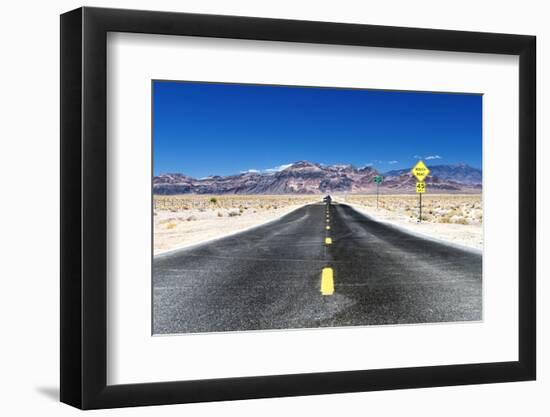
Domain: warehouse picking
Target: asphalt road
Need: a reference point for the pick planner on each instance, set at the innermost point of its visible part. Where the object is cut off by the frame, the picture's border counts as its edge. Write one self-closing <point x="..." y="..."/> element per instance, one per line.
<point x="271" y="277"/>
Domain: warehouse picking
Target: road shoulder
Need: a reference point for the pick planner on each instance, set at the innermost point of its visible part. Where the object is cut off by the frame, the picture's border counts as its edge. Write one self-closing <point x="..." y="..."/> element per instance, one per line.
<point x="465" y="237"/>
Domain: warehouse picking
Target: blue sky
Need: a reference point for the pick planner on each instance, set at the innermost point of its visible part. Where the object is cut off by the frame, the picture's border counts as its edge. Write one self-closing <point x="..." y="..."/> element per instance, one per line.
<point x="202" y="129"/>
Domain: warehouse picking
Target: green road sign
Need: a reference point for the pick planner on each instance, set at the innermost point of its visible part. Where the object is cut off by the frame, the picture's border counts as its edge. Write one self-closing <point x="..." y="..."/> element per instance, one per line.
<point x="378" y="179"/>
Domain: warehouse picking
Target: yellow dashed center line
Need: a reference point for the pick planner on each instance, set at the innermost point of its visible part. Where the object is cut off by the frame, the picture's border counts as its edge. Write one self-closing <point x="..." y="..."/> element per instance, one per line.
<point x="327" y="281"/>
<point x="327" y="274"/>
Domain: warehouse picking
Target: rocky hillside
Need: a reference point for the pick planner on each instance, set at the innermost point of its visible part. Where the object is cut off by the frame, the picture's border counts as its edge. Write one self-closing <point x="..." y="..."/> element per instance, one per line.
<point x="304" y="177"/>
<point x="461" y="173"/>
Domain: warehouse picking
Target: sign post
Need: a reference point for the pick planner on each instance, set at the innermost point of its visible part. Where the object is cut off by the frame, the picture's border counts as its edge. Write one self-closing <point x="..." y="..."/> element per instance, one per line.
<point x="420" y="189"/>
<point x="420" y="171"/>
<point x="377" y="180"/>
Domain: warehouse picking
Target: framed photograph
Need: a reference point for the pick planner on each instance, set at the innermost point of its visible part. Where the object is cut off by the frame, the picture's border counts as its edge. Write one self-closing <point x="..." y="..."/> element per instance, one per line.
<point x="257" y="208"/>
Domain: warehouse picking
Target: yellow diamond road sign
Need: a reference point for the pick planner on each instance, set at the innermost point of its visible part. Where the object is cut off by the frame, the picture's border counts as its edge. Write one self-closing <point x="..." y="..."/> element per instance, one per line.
<point x="420" y="171"/>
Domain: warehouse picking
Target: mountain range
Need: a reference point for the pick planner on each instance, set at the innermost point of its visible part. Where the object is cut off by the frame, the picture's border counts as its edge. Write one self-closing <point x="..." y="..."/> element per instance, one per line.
<point x="305" y="177"/>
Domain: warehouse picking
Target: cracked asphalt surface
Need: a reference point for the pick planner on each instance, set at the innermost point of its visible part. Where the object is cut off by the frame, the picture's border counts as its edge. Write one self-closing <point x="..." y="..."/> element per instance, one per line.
<point x="269" y="277"/>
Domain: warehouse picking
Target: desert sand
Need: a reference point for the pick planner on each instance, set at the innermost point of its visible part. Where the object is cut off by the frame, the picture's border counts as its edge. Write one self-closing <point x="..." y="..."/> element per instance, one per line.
<point x="182" y="221"/>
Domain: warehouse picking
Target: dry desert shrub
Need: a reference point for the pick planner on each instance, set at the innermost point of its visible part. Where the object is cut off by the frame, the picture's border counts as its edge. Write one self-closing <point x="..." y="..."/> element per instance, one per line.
<point x="206" y="203"/>
<point x="437" y="208"/>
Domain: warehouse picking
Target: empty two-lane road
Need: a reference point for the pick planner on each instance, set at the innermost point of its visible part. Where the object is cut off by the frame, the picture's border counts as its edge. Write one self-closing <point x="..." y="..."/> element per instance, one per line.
<point x="271" y="277"/>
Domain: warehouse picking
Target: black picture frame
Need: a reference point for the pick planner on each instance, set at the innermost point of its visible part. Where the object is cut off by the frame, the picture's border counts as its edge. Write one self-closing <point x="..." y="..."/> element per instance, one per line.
<point x="84" y="207"/>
